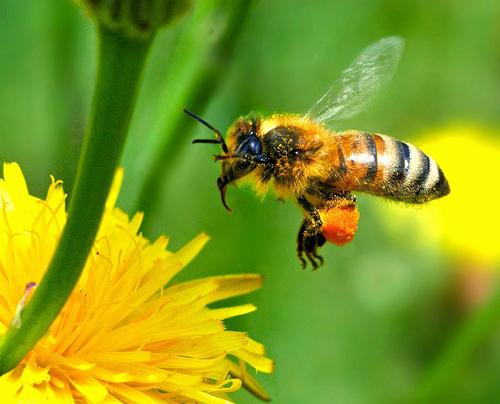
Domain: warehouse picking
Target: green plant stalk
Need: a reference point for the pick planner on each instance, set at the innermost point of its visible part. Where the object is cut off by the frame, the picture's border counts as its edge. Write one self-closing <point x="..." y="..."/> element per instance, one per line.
<point x="119" y="69"/>
<point x="459" y="350"/>
<point x="202" y="84"/>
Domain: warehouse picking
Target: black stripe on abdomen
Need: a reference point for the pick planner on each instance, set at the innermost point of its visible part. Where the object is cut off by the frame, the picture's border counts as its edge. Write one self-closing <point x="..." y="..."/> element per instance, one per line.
<point x="342" y="170"/>
<point x="401" y="163"/>
<point x="406" y="158"/>
<point x="339" y="172"/>
<point x="421" y="178"/>
<point x="441" y="187"/>
<point x="371" y="162"/>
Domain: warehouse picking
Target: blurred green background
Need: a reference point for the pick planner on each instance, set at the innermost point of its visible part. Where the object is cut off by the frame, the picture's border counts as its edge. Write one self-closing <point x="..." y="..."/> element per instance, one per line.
<point x="366" y="327"/>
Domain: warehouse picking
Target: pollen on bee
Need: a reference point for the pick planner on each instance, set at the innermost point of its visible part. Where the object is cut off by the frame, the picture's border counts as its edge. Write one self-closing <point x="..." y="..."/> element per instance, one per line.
<point x="339" y="223"/>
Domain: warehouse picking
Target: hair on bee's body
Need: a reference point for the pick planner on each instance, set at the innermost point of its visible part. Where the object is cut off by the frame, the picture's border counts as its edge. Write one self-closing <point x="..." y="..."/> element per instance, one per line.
<point x="302" y="158"/>
<point x="293" y="145"/>
<point x="307" y="158"/>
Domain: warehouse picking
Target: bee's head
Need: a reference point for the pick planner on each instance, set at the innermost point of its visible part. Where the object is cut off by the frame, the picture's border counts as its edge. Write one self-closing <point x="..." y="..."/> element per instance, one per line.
<point x="241" y="154"/>
<point x="244" y="150"/>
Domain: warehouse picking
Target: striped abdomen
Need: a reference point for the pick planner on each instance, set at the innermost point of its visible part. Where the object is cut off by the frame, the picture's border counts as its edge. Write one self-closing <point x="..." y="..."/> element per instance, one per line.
<point x="382" y="165"/>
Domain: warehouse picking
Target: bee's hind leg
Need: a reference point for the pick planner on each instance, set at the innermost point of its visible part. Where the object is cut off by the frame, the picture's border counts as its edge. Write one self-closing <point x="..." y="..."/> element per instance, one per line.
<point x="310" y="236"/>
<point x="308" y="244"/>
<point x="300" y="245"/>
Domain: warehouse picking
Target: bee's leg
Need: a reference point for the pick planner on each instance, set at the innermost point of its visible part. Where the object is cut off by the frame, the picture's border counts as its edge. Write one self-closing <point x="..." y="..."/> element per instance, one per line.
<point x="313" y="221"/>
<point x="318" y="242"/>
<point x="311" y="244"/>
<point x="308" y="244"/>
<point x="310" y="236"/>
<point x="300" y="245"/>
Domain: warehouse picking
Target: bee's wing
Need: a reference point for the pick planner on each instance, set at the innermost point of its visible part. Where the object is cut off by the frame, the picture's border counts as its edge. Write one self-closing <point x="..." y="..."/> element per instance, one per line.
<point x="359" y="82"/>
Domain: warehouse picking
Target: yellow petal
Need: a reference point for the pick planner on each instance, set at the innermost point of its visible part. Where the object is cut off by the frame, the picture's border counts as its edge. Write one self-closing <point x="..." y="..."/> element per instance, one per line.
<point x="229" y="285"/>
<point x="115" y="189"/>
<point x="10" y="383"/>
<point x="184" y="362"/>
<point x="199" y="396"/>
<point x="30" y="394"/>
<point x="228" y="312"/>
<point x="89" y="387"/>
<point x="257" y="361"/>
<point x="131" y="395"/>
<point x="121" y="357"/>
<point x="14" y="181"/>
<point x="255" y="347"/>
<point x="33" y="374"/>
<point x="248" y="381"/>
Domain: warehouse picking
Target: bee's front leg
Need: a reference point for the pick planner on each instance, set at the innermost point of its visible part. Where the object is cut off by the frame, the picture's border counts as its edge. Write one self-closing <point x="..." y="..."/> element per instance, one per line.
<point x="310" y="236"/>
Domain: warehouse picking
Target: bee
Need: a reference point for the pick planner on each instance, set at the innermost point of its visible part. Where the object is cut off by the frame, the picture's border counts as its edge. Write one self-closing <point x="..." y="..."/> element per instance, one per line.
<point x="303" y="158"/>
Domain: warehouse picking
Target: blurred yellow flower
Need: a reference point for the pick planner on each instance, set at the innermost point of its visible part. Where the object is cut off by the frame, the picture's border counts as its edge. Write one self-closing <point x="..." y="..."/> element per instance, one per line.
<point x="122" y="336"/>
<point x="467" y="220"/>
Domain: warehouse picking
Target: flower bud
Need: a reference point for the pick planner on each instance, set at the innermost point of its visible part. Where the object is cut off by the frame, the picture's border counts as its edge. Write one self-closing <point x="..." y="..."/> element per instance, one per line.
<point x="135" y="18"/>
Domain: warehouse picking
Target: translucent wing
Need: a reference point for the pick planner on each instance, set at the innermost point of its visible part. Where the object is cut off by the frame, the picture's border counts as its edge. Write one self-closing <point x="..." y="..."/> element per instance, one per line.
<point x="359" y="82"/>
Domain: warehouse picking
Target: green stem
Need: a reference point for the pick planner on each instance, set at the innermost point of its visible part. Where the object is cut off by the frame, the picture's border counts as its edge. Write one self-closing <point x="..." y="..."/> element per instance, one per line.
<point x="202" y="83"/>
<point x="475" y="330"/>
<point x="118" y="76"/>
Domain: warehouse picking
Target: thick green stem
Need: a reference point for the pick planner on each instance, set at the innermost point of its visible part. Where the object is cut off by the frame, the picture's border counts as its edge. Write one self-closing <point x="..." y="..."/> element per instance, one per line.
<point x="118" y="75"/>
<point x="456" y="354"/>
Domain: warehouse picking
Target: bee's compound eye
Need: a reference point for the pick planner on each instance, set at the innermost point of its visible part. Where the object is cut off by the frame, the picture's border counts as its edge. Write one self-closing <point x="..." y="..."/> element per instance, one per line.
<point x="254" y="146"/>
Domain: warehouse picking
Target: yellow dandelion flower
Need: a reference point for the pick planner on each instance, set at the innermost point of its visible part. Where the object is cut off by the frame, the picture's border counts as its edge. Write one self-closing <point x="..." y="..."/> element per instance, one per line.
<point x="122" y="335"/>
<point x="466" y="222"/>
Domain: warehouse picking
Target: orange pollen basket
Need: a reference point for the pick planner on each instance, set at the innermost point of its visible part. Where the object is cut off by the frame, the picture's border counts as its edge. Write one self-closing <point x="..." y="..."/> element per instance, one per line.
<point x="339" y="224"/>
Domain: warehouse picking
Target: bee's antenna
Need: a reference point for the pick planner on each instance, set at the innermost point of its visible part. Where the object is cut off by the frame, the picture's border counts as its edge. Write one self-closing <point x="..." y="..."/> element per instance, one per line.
<point x="219" y="157"/>
<point x="219" y="140"/>
<point x="213" y="141"/>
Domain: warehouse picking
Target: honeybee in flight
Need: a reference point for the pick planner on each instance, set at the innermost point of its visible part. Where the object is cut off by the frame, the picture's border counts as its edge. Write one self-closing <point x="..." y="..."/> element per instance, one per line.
<point x="306" y="160"/>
